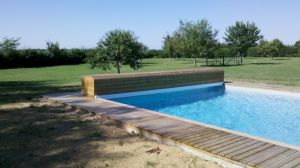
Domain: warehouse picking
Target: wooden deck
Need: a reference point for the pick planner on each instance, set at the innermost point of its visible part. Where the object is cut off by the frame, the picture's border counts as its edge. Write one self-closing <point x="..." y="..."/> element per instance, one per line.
<point x="234" y="148"/>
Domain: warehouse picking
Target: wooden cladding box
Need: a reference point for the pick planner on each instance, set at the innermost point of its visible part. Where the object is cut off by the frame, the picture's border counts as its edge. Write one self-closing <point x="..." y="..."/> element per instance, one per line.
<point x="130" y="82"/>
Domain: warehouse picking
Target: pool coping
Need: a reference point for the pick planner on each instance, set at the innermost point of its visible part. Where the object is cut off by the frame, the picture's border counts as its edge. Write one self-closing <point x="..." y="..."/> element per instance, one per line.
<point x="63" y="98"/>
<point x="264" y="86"/>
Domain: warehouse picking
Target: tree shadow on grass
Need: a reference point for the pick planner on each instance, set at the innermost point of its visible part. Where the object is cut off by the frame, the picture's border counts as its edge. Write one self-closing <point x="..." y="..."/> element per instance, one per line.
<point x="13" y="91"/>
<point x="281" y="58"/>
<point x="265" y="63"/>
<point x="148" y="63"/>
<point x="226" y="65"/>
<point x="53" y="136"/>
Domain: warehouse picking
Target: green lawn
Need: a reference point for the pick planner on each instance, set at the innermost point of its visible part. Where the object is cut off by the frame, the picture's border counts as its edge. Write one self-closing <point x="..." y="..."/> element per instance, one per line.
<point x="22" y="83"/>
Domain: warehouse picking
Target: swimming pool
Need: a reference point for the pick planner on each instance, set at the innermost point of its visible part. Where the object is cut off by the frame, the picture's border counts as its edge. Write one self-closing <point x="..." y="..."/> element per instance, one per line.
<point x="269" y="114"/>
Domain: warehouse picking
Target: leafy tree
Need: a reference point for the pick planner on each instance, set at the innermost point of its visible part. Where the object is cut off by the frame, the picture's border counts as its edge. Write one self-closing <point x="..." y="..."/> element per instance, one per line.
<point x="254" y="52"/>
<point x="297" y="47"/>
<point x="272" y="48"/>
<point x="192" y="39"/>
<point x="242" y="36"/>
<point x="9" y="45"/>
<point x="158" y="53"/>
<point x="173" y="46"/>
<point x="8" y="52"/>
<point x="53" y="48"/>
<point x="115" y="49"/>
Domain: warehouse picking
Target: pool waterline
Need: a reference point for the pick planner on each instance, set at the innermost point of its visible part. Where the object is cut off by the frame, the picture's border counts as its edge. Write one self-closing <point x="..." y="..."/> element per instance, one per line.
<point x="216" y="105"/>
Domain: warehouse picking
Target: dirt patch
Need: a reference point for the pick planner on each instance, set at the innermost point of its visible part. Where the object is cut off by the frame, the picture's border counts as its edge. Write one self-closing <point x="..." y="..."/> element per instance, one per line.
<point x="40" y="133"/>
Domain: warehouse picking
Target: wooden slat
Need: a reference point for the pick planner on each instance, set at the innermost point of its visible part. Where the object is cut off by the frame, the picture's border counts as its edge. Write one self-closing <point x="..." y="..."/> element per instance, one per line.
<point x="232" y="147"/>
<point x="238" y="148"/>
<point x="207" y="138"/>
<point x="142" y="119"/>
<point x="178" y="128"/>
<point x="187" y="131"/>
<point x="276" y="158"/>
<point x="198" y="134"/>
<point x="292" y="163"/>
<point x="286" y="160"/>
<point x="220" y="140"/>
<point x="225" y="144"/>
<point x="253" y="152"/>
<point x="265" y="155"/>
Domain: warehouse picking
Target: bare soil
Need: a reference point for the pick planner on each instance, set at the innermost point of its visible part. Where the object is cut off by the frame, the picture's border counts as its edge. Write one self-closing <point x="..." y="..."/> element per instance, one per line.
<point x="41" y="133"/>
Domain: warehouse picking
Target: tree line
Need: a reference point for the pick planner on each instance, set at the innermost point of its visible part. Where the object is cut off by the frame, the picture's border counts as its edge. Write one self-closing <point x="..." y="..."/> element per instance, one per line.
<point x="198" y="40"/>
<point x="119" y="47"/>
<point x="12" y="57"/>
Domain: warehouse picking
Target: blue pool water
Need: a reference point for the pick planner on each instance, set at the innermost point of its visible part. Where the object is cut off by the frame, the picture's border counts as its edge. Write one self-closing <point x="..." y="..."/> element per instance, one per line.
<point x="268" y="114"/>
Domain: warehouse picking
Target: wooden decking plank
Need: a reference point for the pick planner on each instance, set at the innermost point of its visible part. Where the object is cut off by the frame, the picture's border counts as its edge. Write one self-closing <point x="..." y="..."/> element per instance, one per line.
<point x="276" y="158"/>
<point x="177" y="126"/>
<point x="246" y="149"/>
<point x="185" y="132"/>
<point x="114" y="112"/>
<point x="197" y="132"/>
<point x="227" y="143"/>
<point x="151" y="121"/>
<point x="202" y="134"/>
<point x="182" y="133"/>
<point x="217" y="141"/>
<point x="286" y="160"/>
<point x="292" y="163"/>
<point x="192" y="136"/>
<point x="154" y="124"/>
<point x="166" y="125"/>
<point x="174" y="129"/>
<point x="252" y="152"/>
<point x="207" y="138"/>
<point x="232" y="146"/>
<point x="238" y="148"/>
<point x="141" y="120"/>
<point x="263" y="156"/>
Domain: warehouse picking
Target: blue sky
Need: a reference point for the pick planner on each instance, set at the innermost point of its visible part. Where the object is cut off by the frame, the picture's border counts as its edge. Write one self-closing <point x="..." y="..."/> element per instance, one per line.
<point x="81" y="23"/>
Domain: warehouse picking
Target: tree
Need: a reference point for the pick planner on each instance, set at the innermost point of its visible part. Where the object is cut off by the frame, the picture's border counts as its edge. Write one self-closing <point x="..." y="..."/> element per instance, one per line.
<point x="115" y="49"/>
<point x="242" y="36"/>
<point x="169" y="47"/>
<point x="297" y="47"/>
<point x="9" y="55"/>
<point x="272" y="48"/>
<point x="53" y="48"/>
<point x="192" y="39"/>
<point x="9" y="45"/>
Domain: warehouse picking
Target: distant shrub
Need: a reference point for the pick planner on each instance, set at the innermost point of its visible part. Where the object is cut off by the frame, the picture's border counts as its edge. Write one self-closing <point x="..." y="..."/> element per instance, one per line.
<point x="224" y="52"/>
<point x="152" y="53"/>
<point x="253" y="52"/>
<point x="42" y="57"/>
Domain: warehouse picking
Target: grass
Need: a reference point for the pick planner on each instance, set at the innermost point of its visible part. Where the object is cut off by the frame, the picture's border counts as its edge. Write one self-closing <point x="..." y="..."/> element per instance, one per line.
<point x="23" y="83"/>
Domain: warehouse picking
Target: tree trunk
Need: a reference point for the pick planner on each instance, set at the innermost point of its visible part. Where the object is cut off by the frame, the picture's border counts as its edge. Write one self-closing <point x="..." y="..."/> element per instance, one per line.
<point x="223" y="60"/>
